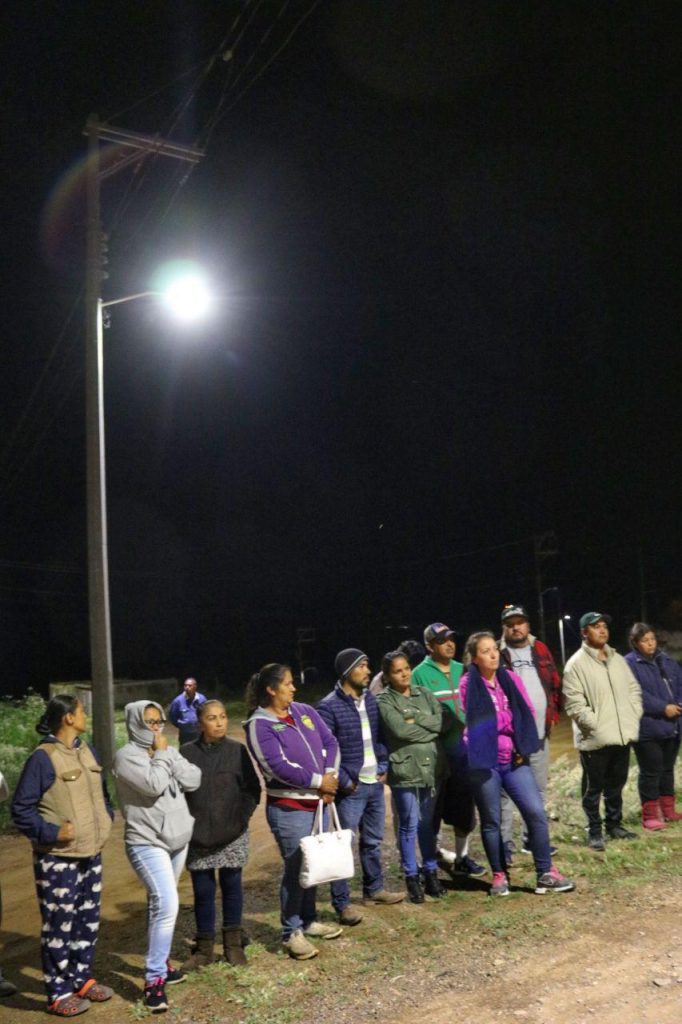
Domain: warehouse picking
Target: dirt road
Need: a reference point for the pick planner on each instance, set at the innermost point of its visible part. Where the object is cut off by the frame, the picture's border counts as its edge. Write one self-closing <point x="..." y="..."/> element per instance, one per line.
<point x="616" y="960"/>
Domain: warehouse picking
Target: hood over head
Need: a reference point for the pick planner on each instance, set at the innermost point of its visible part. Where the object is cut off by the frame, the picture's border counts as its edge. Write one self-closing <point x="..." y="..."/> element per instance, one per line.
<point x="138" y="732"/>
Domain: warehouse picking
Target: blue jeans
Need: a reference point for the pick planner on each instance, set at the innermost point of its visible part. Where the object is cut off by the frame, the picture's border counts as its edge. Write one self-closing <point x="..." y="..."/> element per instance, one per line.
<point x="519" y="782"/>
<point x="204" y="886"/>
<point x="159" y="872"/>
<point x="365" y="813"/>
<point x="415" y="821"/>
<point x="297" y="905"/>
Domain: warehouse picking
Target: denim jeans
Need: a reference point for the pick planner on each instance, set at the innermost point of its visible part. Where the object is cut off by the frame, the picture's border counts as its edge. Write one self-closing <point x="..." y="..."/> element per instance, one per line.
<point x="539" y="765"/>
<point x="159" y="872"/>
<point x="297" y="905"/>
<point x="204" y="886"/>
<point x="520" y="784"/>
<point x="415" y="821"/>
<point x="364" y="812"/>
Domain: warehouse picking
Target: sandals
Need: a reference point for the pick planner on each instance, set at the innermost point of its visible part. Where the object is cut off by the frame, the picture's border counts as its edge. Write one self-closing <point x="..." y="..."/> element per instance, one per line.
<point x="71" y="1006"/>
<point x="95" y="992"/>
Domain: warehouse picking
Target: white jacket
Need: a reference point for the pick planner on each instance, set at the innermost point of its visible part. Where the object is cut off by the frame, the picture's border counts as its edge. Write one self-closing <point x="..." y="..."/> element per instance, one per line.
<point x="602" y="698"/>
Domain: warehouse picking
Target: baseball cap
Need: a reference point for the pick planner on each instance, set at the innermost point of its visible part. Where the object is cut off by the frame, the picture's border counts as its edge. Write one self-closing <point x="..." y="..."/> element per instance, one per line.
<point x="437" y="631"/>
<point x="510" y="610"/>
<point x="591" y="618"/>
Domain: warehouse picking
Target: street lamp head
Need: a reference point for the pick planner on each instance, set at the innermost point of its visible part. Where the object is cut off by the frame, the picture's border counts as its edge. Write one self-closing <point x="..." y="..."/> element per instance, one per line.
<point x="188" y="297"/>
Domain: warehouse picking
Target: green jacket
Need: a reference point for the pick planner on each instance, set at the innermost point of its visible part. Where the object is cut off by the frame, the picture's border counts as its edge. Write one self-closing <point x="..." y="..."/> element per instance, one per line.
<point x="428" y="675"/>
<point x="411" y="726"/>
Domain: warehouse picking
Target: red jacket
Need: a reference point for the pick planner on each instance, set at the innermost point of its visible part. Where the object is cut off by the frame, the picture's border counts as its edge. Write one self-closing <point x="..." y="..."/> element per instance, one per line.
<point x="548" y="675"/>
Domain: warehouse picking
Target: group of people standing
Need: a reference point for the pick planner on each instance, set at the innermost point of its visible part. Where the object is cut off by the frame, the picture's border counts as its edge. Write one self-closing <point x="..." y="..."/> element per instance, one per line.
<point x="448" y="738"/>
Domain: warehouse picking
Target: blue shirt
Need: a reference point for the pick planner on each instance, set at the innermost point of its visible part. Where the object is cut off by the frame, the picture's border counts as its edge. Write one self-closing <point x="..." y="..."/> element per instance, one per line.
<point x="183" y="713"/>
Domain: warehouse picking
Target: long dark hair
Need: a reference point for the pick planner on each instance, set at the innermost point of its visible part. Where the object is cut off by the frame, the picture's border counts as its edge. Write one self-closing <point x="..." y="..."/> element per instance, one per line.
<point x="53" y="716"/>
<point x="257" y="695"/>
<point x="387" y="663"/>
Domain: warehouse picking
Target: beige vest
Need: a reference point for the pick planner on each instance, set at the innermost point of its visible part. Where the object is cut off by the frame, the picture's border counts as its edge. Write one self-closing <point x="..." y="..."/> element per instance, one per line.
<point x="76" y="795"/>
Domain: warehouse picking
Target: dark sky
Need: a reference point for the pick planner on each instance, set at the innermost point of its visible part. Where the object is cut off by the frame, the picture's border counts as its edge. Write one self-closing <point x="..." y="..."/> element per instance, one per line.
<point x="447" y="241"/>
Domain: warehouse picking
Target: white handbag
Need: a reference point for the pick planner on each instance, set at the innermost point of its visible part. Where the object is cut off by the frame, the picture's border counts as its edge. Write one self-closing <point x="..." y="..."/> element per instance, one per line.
<point x="326" y="856"/>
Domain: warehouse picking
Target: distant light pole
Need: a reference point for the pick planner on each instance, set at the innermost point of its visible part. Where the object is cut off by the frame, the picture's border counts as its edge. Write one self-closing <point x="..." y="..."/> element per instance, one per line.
<point x="561" y="636"/>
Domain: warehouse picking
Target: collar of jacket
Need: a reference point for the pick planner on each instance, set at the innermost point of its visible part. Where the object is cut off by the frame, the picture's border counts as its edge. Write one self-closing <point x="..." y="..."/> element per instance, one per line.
<point x="505" y="646"/>
<point x="340" y="692"/>
<point x="593" y="653"/>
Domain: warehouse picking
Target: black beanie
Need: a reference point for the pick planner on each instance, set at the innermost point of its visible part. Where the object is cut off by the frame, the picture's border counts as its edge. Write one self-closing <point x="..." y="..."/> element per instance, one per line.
<point x="346" y="660"/>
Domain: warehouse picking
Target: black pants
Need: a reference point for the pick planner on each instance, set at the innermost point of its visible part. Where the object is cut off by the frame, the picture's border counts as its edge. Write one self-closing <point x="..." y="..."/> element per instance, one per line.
<point x="656" y="760"/>
<point x="604" y="771"/>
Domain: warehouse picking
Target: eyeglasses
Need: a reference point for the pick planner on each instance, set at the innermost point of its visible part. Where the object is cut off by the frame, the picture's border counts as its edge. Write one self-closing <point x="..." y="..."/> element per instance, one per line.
<point x="151" y="722"/>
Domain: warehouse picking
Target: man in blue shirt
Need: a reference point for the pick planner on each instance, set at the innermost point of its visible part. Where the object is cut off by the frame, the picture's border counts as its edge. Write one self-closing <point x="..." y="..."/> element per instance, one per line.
<point x="183" y="711"/>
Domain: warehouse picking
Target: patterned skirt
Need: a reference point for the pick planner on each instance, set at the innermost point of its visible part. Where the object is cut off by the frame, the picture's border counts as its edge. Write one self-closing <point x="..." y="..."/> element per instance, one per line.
<point x="234" y="855"/>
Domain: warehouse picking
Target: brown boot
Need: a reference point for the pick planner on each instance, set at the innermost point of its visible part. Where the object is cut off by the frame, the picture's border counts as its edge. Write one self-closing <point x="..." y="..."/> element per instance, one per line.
<point x="232" y="946"/>
<point x="202" y="953"/>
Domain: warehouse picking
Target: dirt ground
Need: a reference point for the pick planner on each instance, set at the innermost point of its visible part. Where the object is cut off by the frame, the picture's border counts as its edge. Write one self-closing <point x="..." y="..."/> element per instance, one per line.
<point x="617" y="959"/>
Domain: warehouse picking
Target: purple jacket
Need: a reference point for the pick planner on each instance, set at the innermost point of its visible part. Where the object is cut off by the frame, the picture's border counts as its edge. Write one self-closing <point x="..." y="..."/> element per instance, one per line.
<point x="292" y="758"/>
<point x="656" y="693"/>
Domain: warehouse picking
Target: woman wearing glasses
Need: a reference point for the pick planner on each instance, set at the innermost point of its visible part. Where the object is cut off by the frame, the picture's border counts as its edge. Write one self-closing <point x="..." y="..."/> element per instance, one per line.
<point x="151" y="780"/>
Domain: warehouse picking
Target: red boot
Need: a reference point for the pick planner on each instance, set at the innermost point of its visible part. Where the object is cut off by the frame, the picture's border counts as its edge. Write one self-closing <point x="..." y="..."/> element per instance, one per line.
<point x="668" y="807"/>
<point x="650" y="819"/>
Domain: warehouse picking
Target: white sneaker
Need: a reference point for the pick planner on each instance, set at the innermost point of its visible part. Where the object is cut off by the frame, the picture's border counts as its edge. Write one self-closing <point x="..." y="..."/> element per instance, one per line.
<point x="317" y="930"/>
<point x="298" y="947"/>
<point x="448" y="857"/>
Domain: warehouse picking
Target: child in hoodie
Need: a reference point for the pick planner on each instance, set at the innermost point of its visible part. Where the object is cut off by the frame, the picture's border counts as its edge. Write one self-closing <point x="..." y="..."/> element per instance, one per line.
<point x="151" y="780"/>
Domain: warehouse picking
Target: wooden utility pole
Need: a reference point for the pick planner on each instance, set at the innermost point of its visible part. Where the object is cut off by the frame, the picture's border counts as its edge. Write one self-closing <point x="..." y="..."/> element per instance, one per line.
<point x="98" y="555"/>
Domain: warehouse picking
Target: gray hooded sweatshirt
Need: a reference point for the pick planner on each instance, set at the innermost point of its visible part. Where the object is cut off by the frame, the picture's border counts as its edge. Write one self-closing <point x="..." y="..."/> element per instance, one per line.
<point x="151" y="790"/>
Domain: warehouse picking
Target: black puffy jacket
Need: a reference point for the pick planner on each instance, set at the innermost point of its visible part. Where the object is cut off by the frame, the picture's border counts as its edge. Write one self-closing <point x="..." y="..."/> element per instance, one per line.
<point x="228" y="795"/>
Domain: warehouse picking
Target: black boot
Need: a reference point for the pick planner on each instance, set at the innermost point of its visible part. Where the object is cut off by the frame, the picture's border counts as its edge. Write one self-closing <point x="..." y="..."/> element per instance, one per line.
<point x="415" y="893"/>
<point x="432" y="886"/>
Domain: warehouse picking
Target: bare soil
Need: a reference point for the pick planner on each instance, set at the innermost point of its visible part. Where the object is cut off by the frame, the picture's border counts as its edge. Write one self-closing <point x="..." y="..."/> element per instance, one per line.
<point x="611" y="951"/>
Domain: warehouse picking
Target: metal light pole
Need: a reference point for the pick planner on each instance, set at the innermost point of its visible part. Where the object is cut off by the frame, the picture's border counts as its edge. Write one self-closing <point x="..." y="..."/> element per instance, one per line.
<point x="98" y="554"/>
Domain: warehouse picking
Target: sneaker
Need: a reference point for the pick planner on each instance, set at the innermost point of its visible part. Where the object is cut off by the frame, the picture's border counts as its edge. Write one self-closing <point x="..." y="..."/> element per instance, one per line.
<point x="448" y="857"/>
<point x="553" y="850"/>
<point x="174" y="975"/>
<point x="500" y="886"/>
<point x="349" y="916"/>
<point x="6" y="988"/>
<point x="618" y="832"/>
<point x="298" y="947"/>
<point x="155" y="996"/>
<point x="467" y="866"/>
<point x="552" y="881"/>
<point x="596" y="843"/>
<point x="317" y="930"/>
<point x="384" y="897"/>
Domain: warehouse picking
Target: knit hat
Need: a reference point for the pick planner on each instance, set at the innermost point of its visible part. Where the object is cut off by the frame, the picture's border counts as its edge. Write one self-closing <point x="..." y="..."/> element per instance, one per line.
<point x="348" y="659"/>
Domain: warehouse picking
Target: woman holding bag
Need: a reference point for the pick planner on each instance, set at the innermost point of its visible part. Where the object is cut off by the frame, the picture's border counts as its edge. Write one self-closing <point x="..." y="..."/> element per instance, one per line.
<point x="297" y="756"/>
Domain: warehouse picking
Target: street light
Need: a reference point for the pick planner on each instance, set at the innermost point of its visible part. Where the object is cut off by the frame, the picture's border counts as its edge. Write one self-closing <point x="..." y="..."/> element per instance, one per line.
<point x="188" y="297"/>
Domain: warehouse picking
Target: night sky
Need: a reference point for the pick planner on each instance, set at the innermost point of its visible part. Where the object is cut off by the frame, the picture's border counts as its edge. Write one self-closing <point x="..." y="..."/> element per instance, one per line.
<point x="446" y="237"/>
